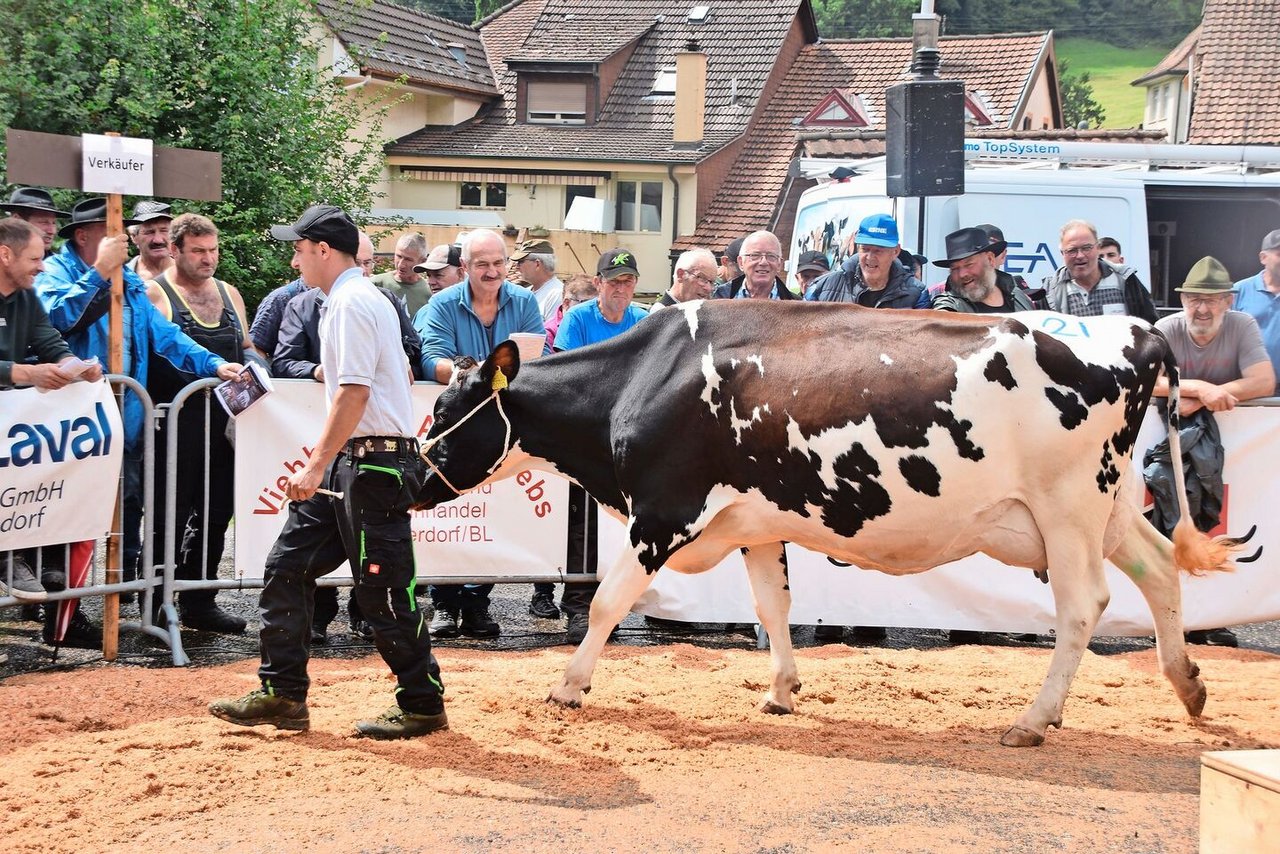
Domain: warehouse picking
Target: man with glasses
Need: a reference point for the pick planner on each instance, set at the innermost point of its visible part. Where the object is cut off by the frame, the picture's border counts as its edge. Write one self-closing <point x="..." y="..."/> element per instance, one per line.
<point x="760" y="260"/>
<point x="1087" y="285"/>
<point x="872" y="276"/>
<point x="404" y="281"/>
<point x="1221" y="361"/>
<point x="694" y="278"/>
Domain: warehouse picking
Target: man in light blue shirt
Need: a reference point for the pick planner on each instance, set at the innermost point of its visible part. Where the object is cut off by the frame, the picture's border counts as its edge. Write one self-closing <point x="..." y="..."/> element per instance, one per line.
<point x="1260" y="296"/>
<point x="470" y="319"/>
<point x="611" y="313"/>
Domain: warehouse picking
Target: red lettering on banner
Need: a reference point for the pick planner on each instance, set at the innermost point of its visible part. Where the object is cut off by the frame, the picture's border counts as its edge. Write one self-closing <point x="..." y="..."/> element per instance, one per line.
<point x="426" y="426"/>
<point x="266" y="506"/>
<point x="535" y="493"/>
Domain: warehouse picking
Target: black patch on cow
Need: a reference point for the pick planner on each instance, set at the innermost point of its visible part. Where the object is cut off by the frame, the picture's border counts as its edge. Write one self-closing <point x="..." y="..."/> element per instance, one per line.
<point x="1014" y="327"/>
<point x="1073" y="412"/>
<point x="998" y="372"/>
<point x="921" y="475"/>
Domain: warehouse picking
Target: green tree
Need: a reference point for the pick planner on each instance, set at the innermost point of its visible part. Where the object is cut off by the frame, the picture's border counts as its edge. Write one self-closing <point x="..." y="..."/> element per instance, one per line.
<point x="238" y="77"/>
<point x="1078" y="104"/>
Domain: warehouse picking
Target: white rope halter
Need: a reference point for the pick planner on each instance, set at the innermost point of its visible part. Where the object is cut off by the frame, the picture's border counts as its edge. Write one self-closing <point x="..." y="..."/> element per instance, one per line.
<point x="431" y="443"/>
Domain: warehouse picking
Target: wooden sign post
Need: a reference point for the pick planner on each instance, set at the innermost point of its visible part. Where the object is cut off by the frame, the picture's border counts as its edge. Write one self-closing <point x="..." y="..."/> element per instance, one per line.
<point x="52" y="160"/>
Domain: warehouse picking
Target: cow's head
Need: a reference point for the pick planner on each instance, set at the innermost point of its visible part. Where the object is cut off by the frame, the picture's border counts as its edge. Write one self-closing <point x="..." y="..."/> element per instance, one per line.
<point x="470" y="434"/>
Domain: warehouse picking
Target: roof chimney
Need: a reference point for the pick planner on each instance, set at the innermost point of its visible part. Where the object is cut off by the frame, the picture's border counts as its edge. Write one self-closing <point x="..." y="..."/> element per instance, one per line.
<point x="691" y="96"/>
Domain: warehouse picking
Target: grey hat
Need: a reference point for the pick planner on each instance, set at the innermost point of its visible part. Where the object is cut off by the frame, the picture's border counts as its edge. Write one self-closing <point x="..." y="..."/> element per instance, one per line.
<point x="149" y="209"/>
<point x="32" y="200"/>
<point x="1271" y="241"/>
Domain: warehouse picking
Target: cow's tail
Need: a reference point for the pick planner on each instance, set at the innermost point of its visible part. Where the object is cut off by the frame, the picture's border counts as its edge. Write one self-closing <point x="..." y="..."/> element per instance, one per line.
<point x="1193" y="552"/>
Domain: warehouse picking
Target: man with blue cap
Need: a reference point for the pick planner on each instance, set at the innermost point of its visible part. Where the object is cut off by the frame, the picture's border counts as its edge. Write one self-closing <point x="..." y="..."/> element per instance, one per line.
<point x="871" y="276"/>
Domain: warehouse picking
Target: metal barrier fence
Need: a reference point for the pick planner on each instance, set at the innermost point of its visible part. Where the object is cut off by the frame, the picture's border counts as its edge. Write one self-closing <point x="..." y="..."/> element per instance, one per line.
<point x="160" y="618"/>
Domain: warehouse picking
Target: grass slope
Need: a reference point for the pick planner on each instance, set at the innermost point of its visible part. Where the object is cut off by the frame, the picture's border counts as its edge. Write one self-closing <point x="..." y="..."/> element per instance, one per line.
<point x="1111" y="69"/>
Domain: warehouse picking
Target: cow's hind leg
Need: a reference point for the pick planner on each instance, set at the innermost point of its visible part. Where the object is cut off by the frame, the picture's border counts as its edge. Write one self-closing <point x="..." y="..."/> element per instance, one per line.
<point x="1080" y="595"/>
<point x="619" y="590"/>
<point x="767" y="570"/>
<point x="1147" y="558"/>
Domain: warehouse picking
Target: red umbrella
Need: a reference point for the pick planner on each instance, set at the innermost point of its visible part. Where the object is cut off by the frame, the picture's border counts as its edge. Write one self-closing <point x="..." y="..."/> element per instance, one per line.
<point x="79" y="559"/>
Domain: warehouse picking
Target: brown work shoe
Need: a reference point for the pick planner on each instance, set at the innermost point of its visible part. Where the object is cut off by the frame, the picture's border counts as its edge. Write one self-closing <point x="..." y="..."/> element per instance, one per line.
<point x="259" y="707"/>
<point x="395" y="722"/>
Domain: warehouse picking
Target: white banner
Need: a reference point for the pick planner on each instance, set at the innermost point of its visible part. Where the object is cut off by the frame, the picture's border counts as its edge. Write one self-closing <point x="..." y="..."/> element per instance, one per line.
<point x="515" y="527"/>
<point x="980" y="593"/>
<point x="60" y="456"/>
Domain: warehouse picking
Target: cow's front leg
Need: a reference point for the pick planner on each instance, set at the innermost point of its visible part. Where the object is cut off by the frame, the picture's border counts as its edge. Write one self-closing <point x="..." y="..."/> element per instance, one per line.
<point x="767" y="570"/>
<point x="619" y="590"/>
<point x="1080" y="595"/>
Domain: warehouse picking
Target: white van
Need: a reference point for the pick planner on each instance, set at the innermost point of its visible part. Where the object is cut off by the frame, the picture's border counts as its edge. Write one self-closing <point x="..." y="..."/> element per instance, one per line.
<point x="1167" y="205"/>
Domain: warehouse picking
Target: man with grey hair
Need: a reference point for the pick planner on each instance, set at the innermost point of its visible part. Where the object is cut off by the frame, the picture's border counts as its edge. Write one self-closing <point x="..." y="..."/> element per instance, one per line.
<point x="1088" y="285"/>
<point x="404" y="281"/>
<point x="535" y="262"/>
<point x="694" y="277"/>
<point x="760" y="260"/>
<point x="469" y="321"/>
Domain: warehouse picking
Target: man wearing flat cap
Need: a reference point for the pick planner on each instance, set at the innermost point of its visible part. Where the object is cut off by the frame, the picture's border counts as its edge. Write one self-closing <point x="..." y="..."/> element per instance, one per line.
<point x="150" y="234"/>
<point x="35" y="206"/>
<point x="75" y="289"/>
<point x="1259" y="296"/>
<point x="535" y="262"/>
<point x="974" y="284"/>
<point x="1221" y="361"/>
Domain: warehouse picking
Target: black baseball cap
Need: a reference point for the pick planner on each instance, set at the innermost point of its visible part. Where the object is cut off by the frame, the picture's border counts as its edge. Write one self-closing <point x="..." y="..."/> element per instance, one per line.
<point x="813" y="262"/>
<point x="322" y="224"/>
<point x="616" y="262"/>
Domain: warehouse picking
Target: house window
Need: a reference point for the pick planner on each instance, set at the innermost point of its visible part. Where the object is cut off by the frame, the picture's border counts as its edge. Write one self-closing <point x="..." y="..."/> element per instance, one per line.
<point x="483" y="195"/>
<point x="665" y="82"/>
<point x="639" y="206"/>
<point x="574" y="191"/>
<point x="556" y="103"/>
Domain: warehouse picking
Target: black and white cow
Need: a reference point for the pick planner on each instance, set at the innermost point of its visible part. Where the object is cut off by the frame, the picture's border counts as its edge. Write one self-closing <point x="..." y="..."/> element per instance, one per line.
<point x="893" y="440"/>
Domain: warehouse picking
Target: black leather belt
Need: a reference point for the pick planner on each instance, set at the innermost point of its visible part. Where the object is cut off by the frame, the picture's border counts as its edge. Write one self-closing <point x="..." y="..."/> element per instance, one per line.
<point x="361" y="445"/>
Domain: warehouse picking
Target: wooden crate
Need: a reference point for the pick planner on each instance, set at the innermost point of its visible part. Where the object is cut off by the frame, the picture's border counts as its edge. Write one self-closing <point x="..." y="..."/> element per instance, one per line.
<point x="1240" y="802"/>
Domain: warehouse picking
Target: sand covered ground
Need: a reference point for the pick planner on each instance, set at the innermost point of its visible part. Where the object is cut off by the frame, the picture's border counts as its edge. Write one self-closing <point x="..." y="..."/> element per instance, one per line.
<point x="891" y="750"/>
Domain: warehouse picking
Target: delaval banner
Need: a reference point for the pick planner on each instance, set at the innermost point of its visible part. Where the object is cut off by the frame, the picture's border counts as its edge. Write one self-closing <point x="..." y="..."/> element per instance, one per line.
<point x="514" y="527"/>
<point x="60" y="456"/>
<point x="980" y="593"/>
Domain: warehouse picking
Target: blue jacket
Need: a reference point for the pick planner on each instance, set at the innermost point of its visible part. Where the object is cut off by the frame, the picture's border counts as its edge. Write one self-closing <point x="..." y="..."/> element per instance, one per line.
<point x="449" y="328"/>
<point x="74" y="295"/>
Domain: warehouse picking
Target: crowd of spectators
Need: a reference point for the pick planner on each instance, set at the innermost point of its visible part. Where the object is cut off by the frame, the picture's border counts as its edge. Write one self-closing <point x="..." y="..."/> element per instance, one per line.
<point x="458" y="300"/>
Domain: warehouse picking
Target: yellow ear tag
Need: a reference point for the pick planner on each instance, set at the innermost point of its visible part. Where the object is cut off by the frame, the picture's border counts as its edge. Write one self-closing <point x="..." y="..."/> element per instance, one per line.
<point x="499" y="380"/>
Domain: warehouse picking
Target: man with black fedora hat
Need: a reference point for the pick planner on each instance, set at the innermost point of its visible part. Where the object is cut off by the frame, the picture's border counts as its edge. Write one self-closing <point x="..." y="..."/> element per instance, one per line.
<point x="36" y="207"/>
<point x="975" y="285"/>
<point x="1221" y="361"/>
<point x="150" y="234"/>
<point x="75" y="289"/>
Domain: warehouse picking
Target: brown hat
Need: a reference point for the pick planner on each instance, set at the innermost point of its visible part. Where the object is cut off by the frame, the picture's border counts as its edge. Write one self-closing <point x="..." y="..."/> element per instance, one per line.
<point x="1208" y="276"/>
<point x="532" y="247"/>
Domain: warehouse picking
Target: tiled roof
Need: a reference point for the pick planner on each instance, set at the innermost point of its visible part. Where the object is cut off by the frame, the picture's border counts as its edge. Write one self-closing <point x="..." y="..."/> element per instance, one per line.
<point x="1002" y="67"/>
<point x="1237" y="79"/>
<point x="1174" y="61"/>
<point x="742" y="39"/>
<point x="850" y="144"/>
<point x="388" y="40"/>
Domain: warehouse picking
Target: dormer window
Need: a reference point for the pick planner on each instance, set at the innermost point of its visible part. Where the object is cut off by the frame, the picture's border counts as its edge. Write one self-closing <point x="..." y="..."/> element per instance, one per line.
<point x="665" y="82"/>
<point x="556" y="103"/>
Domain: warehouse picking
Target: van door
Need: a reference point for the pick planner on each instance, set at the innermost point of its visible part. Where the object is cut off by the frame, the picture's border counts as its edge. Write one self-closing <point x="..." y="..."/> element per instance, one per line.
<point x="827" y="217"/>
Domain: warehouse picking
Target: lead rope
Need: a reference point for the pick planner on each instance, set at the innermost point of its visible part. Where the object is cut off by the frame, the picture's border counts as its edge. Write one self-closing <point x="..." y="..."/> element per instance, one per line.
<point x="499" y="383"/>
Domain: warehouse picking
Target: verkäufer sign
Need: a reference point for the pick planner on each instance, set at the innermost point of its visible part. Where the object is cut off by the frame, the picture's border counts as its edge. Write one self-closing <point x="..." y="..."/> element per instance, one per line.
<point x="116" y="164"/>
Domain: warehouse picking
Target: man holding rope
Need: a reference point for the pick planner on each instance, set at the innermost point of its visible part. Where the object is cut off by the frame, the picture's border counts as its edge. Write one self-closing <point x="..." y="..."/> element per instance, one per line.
<point x="368" y="460"/>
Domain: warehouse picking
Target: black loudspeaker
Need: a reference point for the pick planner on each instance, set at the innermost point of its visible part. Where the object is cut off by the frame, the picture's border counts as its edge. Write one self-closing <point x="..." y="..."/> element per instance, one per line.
<point x="924" y="138"/>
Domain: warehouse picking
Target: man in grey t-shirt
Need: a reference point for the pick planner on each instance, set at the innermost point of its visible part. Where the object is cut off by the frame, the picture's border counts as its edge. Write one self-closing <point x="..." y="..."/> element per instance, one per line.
<point x="1221" y="361"/>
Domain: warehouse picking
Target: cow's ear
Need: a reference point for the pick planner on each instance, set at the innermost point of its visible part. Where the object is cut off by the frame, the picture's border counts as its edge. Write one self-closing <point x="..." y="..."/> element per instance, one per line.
<point x="505" y="358"/>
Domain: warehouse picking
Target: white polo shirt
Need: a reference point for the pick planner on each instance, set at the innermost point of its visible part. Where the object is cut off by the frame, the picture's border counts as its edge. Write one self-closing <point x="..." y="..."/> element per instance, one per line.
<point x="360" y="345"/>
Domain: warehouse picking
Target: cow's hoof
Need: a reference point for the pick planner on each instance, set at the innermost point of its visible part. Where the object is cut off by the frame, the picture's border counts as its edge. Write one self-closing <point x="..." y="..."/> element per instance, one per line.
<point x="1020" y="736"/>
<point x="1195" y="703"/>
<point x="769" y="707"/>
<point x="568" y="701"/>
